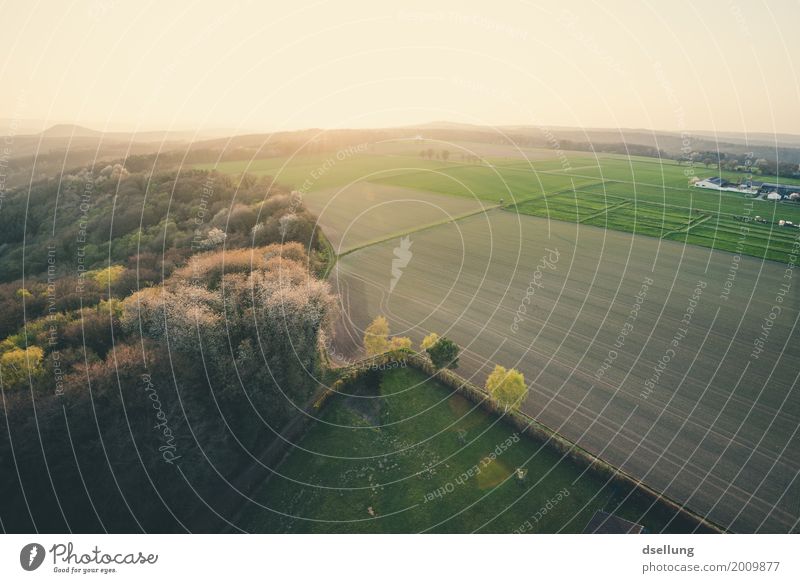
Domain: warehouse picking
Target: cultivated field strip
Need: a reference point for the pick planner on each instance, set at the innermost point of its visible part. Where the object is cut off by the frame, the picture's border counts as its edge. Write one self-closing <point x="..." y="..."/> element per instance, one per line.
<point x="358" y="213"/>
<point x="719" y="429"/>
<point x="761" y="406"/>
<point x="570" y="187"/>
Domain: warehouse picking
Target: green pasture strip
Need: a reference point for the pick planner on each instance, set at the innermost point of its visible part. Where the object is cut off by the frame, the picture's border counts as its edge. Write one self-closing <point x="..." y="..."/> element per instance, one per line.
<point x="644" y="218"/>
<point x="606" y="210"/>
<point x="548" y="165"/>
<point x="727" y="237"/>
<point x="701" y="200"/>
<point x="406" y="454"/>
<point x="323" y="171"/>
<point x="693" y="223"/>
<point x="756" y="231"/>
<point x="632" y="220"/>
<point x="636" y="172"/>
<point x="491" y="184"/>
<point x="563" y="205"/>
<point x="709" y="237"/>
<point x="655" y="218"/>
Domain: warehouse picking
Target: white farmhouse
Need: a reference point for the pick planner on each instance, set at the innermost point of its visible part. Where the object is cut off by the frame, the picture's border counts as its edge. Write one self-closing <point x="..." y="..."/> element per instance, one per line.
<point x="714" y="183"/>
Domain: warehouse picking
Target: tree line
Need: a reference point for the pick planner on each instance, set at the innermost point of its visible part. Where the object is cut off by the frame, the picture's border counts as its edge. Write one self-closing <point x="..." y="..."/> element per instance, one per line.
<point x="505" y="386"/>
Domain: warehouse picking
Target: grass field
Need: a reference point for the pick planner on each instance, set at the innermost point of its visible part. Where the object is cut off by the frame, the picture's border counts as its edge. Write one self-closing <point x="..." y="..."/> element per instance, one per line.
<point x="308" y="173"/>
<point x="645" y="196"/>
<point x="727" y="203"/>
<point x="719" y="432"/>
<point x="708" y="218"/>
<point x="403" y="438"/>
<point x="611" y="212"/>
<point x="491" y="184"/>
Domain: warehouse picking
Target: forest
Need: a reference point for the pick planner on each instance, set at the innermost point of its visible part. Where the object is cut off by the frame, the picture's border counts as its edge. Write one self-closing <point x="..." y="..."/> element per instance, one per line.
<point x="164" y="329"/>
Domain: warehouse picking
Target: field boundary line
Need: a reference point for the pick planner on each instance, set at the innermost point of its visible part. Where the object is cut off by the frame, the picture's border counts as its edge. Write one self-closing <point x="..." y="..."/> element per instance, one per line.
<point x="578" y="188"/>
<point x="512" y="206"/>
<point x="606" y="210"/>
<point x="330" y="262"/>
<point x="689" y="226"/>
<point x="425" y="227"/>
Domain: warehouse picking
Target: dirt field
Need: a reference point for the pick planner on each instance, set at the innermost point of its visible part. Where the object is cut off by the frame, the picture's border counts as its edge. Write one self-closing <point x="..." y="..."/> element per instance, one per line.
<point x="714" y="425"/>
<point x="361" y="212"/>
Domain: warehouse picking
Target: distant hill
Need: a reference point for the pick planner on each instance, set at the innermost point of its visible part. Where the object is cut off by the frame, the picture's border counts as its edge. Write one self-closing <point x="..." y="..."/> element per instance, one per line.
<point x="69" y="145"/>
<point x="76" y="144"/>
<point x="756" y="138"/>
<point x="70" y="131"/>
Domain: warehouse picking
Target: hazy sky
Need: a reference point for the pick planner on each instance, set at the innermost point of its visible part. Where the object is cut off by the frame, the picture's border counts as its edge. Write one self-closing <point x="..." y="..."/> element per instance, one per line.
<point x="250" y="65"/>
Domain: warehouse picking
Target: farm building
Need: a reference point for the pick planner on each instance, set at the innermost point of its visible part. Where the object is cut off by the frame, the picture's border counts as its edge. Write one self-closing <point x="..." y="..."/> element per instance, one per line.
<point x="714" y="183"/>
<point x="768" y="188"/>
<point x="717" y="183"/>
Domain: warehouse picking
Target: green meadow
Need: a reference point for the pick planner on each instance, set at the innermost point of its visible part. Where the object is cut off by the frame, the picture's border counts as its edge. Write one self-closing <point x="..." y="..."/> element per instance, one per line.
<point x="309" y="173"/>
<point x="402" y="453"/>
<point x="644" y="196"/>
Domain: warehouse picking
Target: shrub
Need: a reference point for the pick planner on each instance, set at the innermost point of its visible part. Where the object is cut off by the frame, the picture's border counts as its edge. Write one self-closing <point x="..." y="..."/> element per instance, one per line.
<point x="429" y="341"/>
<point x="444" y="353"/>
<point x="399" y="342"/>
<point x="507" y="387"/>
<point x="376" y="336"/>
